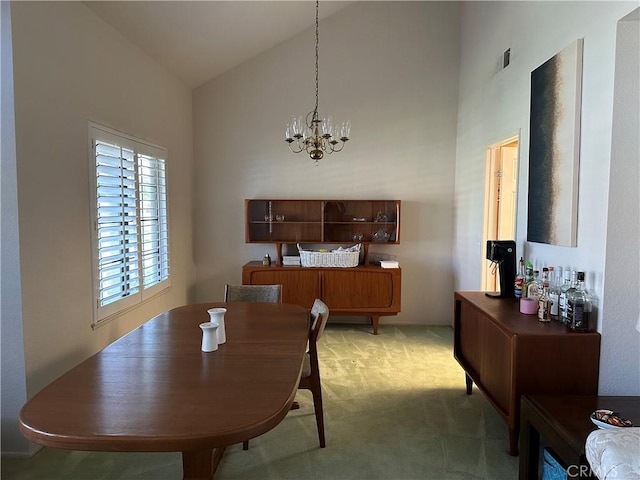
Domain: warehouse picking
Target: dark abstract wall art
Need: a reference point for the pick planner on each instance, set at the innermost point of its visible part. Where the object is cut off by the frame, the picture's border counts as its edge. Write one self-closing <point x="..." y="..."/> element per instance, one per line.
<point x="554" y="148"/>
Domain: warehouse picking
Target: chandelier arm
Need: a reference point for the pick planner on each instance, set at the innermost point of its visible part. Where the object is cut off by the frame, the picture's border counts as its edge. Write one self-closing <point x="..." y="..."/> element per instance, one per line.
<point x="336" y="150"/>
<point x="298" y="146"/>
<point x="311" y="116"/>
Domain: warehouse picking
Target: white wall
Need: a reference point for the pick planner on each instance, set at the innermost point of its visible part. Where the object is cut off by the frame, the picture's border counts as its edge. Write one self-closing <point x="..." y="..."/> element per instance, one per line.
<point x="621" y="300"/>
<point x="493" y="107"/>
<point x="392" y="69"/>
<point x="70" y="67"/>
<point x="14" y="388"/>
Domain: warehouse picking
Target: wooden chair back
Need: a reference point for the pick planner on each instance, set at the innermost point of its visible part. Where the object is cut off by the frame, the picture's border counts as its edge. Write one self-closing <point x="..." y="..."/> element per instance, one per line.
<point x="253" y="293"/>
<point x="318" y="318"/>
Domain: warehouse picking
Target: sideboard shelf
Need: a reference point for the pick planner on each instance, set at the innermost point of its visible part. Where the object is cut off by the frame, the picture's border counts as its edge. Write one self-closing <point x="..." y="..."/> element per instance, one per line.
<point x="284" y="221"/>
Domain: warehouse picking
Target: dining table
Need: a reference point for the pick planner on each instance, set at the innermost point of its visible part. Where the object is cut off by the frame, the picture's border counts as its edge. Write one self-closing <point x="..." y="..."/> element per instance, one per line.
<point x="155" y="390"/>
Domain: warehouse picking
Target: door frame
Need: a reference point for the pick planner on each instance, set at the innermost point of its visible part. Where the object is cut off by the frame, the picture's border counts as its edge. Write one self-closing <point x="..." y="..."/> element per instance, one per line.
<point x="492" y="184"/>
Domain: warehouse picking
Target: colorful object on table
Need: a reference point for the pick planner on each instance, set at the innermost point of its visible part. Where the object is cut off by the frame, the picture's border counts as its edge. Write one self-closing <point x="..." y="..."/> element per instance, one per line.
<point x="609" y="419"/>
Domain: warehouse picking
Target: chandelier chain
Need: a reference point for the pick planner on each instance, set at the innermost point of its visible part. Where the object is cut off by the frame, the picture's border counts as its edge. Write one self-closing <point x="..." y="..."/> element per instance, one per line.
<point x="317" y="48"/>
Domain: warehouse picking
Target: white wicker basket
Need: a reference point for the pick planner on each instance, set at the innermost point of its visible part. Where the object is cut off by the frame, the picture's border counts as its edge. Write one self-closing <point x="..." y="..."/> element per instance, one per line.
<point x="309" y="258"/>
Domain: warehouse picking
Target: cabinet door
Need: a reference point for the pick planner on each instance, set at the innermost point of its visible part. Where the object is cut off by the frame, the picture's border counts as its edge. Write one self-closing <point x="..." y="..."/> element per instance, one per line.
<point x="358" y="289"/>
<point x="361" y="221"/>
<point x="470" y="332"/>
<point x="299" y="286"/>
<point x="497" y="365"/>
<point x="275" y="221"/>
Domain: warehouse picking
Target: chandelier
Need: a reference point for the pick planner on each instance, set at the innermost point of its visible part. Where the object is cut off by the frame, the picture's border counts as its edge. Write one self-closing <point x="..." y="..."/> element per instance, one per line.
<point x="313" y="134"/>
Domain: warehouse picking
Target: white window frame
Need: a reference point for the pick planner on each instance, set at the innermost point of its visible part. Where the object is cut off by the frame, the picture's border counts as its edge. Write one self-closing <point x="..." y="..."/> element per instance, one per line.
<point x="145" y="158"/>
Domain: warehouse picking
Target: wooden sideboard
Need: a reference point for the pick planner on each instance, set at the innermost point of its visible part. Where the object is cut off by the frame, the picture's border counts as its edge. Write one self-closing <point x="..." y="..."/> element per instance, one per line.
<point x="508" y="354"/>
<point x="369" y="291"/>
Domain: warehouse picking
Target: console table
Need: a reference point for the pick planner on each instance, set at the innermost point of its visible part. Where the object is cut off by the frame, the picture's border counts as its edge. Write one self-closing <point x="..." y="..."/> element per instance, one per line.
<point x="508" y="354"/>
<point x="369" y="291"/>
<point x="562" y="422"/>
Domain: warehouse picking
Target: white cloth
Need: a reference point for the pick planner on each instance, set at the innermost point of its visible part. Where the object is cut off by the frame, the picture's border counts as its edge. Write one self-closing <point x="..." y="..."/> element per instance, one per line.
<point x="614" y="454"/>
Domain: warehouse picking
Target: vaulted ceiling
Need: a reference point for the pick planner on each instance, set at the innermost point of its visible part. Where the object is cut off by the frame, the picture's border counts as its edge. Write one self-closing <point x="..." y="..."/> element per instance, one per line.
<point x="199" y="40"/>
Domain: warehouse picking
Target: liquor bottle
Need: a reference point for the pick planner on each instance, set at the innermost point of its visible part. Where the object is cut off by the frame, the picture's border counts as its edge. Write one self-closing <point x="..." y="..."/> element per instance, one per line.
<point x="544" y="280"/>
<point x="554" y="294"/>
<point x="567" y="288"/>
<point x="579" y="307"/>
<point x="528" y="276"/>
<point x="544" y="310"/>
<point x="519" y="281"/>
<point x="550" y="276"/>
<point x="534" y="287"/>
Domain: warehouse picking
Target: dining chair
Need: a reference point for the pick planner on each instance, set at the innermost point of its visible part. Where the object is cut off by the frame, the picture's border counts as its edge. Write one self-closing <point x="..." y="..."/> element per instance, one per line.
<point x="310" y="379"/>
<point x="253" y="293"/>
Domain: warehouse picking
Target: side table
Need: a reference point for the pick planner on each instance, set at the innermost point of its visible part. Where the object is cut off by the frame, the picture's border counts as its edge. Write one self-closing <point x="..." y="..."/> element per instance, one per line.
<point x="562" y="423"/>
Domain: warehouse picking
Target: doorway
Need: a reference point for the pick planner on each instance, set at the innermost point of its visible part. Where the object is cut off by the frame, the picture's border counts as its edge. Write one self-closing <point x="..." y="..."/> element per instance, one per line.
<point x="501" y="202"/>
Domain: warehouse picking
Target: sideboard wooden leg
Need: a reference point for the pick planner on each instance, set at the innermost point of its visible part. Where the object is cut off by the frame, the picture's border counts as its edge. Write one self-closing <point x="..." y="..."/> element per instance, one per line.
<point x="469" y="384"/>
<point x="529" y="445"/>
<point x="514" y="434"/>
<point x="374" y="322"/>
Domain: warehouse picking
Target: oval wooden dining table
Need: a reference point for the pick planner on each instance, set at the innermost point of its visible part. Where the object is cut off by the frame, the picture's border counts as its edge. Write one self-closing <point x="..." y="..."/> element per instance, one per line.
<point x="154" y="390"/>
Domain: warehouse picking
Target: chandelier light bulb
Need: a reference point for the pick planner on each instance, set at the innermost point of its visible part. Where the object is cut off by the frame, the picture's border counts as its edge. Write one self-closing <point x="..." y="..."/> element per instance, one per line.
<point x="345" y="130"/>
<point x="326" y="127"/>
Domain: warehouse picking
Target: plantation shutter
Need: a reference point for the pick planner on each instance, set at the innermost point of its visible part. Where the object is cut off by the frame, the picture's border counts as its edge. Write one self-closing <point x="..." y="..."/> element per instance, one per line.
<point x="117" y="226"/>
<point x="131" y="234"/>
<point x="153" y="219"/>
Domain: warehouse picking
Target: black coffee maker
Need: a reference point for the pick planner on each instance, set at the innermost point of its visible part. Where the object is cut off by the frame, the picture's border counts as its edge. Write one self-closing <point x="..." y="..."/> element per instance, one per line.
<point x="503" y="253"/>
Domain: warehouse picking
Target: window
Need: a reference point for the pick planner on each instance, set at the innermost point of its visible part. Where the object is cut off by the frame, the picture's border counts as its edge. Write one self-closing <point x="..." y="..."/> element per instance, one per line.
<point x="130" y="225"/>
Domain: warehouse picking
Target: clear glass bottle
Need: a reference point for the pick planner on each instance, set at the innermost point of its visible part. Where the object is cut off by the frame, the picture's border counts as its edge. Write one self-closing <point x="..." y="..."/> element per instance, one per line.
<point x="519" y="280"/>
<point x="554" y="294"/>
<point x="569" y="282"/>
<point x="534" y="287"/>
<point x="579" y="306"/>
<point x="544" y="280"/>
<point x="551" y="276"/>
<point x="544" y="310"/>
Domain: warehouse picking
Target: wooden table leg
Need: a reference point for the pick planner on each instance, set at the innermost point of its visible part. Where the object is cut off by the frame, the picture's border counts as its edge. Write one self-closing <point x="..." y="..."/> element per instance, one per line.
<point x="201" y="464"/>
<point x="374" y="322"/>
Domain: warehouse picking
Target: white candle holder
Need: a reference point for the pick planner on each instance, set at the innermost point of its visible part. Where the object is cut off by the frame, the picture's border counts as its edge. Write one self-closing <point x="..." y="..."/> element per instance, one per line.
<point x="209" y="336"/>
<point x="217" y="316"/>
